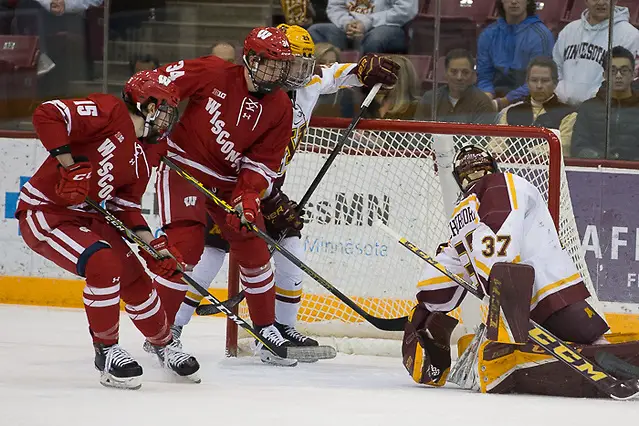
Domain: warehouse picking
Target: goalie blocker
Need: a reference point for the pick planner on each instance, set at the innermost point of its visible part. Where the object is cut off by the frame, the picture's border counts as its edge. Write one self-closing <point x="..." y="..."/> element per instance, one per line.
<point x="505" y="361"/>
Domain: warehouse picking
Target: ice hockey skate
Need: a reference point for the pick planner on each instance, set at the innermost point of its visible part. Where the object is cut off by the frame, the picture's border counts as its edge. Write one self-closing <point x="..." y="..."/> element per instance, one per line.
<point x="117" y="368"/>
<point x="181" y="363"/>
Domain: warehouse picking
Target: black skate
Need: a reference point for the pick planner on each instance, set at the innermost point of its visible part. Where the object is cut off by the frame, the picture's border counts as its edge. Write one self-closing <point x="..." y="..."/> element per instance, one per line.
<point x="176" y="333"/>
<point x="280" y="345"/>
<point x="304" y="348"/>
<point x="117" y="368"/>
<point x="181" y="363"/>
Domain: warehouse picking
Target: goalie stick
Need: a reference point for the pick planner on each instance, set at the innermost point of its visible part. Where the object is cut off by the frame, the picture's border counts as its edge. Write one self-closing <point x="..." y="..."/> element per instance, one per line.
<point x="298" y="352"/>
<point x="386" y="324"/>
<point x="204" y="310"/>
<point x="613" y="387"/>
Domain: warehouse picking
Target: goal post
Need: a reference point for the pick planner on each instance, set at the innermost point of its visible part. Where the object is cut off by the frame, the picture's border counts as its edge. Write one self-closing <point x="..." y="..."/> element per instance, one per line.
<point x="397" y="172"/>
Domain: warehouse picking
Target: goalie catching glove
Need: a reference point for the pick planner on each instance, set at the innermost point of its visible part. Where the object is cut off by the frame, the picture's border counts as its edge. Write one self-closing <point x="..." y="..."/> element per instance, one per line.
<point x="281" y="214"/>
<point x="426" y="346"/>
<point x="372" y="69"/>
<point x="168" y="267"/>
<point x="247" y="206"/>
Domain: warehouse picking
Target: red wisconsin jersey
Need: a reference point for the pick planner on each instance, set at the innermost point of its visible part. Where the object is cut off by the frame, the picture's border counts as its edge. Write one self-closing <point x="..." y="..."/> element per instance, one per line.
<point x="226" y="133"/>
<point x="100" y="129"/>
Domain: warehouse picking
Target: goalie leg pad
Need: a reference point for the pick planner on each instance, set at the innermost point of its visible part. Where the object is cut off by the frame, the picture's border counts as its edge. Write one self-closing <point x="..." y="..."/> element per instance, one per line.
<point x="510" y="287"/>
<point x="528" y="369"/>
<point x="578" y="323"/>
<point x="426" y="345"/>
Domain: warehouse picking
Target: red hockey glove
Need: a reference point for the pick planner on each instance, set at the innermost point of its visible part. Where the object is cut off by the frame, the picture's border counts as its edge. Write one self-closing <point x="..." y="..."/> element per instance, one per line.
<point x="75" y="182"/>
<point x="372" y="69"/>
<point x="281" y="214"/>
<point x="168" y="267"/>
<point x="247" y="204"/>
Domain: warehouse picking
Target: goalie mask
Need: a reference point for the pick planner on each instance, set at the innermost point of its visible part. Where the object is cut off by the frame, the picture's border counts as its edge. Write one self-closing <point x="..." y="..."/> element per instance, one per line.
<point x="303" y="50"/>
<point x="267" y="57"/>
<point x="470" y="164"/>
<point x="154" y="97"/>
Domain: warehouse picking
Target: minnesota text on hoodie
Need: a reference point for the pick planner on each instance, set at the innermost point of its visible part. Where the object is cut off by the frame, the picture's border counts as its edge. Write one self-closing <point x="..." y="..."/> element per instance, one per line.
<point x="580" y="52"/>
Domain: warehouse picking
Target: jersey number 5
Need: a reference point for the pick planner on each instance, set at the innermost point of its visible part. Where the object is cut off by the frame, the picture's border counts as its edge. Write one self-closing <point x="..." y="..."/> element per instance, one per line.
<point x="86" y="108"/>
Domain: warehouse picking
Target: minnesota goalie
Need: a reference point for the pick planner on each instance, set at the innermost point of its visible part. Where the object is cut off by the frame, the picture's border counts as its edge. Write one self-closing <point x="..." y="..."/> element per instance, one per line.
<point x="502" y="232"/>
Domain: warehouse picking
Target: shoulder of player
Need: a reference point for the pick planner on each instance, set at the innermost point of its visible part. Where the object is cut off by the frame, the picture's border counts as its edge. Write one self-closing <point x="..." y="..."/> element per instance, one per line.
<point x="108" y="103"/>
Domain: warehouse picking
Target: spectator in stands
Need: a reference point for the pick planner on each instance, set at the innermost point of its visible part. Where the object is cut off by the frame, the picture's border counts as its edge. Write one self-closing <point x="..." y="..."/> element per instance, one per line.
<point x="582" y="45"/>
<point x="400" y="102"/>
<point x="44" y="18"/>
<point x="141" y="63"/>
<point x="370" y="26"/>
<point x="341" y="103"/>
<point x="542" y="108"/>
<point x="505" y="48"/>
<point x="460" y="101"/>
<point x="589" y="136"/>
<point x="225" y="51"/>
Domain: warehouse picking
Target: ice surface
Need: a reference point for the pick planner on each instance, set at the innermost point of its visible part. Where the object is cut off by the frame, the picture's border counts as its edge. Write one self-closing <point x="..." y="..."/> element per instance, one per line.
<point x="47" y="378"/>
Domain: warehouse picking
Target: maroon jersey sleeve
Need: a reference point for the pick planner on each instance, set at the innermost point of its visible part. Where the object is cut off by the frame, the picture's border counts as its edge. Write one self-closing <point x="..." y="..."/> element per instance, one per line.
<point x="191" y="75"/>
<point x="263" y="161"/>
<point x="59" y="122"/>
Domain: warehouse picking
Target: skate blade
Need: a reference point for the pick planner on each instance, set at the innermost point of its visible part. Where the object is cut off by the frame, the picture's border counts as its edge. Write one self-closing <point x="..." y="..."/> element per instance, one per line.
<point x="129" y="383"/>
<point x="268" y="358"/>
<point x="308" y="354"/>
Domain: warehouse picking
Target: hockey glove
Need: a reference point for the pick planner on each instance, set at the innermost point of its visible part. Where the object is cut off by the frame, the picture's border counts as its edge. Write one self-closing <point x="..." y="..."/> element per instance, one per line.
<point x="170" y="266"/>
<point x="372" y="69"/>
<point x="75" y="182"/>
<point x="281" y="214"/>
<point x="247" y="205"/>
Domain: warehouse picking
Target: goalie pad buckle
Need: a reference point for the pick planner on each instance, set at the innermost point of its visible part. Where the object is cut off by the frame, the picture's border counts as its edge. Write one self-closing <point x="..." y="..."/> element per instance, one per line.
<point x="510" y="287"/>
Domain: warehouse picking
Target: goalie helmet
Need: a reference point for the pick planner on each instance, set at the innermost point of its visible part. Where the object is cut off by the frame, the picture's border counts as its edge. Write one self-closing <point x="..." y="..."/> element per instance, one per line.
<point x="470" y="164"/>
<point x="147" y="88"/>
<point x="303" y="50"/>
<point x="267" y="56"/>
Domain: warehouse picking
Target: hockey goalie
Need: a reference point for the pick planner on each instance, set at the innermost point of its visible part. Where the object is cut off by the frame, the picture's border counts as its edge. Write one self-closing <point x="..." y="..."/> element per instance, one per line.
<point x="502" y="238"/>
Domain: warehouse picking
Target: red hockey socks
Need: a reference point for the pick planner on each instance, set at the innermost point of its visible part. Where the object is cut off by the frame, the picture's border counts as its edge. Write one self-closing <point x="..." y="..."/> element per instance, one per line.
<point x="146" y="311"/>
<point x="101" y="296"/>
<point x="259" y="287"/>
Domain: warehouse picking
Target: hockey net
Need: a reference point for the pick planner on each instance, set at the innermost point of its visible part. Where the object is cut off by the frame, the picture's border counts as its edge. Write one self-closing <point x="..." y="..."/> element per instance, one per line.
<point x="398" y="172"/>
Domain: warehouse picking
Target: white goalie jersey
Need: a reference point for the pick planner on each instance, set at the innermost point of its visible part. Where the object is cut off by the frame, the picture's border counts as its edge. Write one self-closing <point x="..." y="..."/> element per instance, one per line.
<point x="503" y="218"/>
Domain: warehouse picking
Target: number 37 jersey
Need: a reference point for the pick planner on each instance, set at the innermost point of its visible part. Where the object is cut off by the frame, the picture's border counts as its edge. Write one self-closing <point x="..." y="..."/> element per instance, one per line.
<point x="503" y="219"/>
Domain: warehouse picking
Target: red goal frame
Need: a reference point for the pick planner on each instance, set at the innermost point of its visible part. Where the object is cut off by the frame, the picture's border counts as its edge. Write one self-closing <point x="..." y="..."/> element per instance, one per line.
<point x="554" y="172"/>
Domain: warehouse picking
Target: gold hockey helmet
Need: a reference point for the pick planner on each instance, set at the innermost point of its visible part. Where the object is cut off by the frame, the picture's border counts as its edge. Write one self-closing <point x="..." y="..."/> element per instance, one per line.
<point x="303" y="50"/>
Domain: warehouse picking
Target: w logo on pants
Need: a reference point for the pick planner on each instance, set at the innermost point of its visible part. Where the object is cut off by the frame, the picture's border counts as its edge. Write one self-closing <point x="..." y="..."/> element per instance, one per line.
<point x="190" y="201"/>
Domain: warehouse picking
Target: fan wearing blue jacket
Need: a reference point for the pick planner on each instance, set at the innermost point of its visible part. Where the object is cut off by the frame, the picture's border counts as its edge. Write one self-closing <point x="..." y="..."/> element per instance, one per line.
<point x="506" y="47"/>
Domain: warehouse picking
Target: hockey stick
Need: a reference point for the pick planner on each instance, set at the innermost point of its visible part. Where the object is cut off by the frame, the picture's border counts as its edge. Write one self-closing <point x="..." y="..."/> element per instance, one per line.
<point x="235" y="300"/>
<point x="386" y="324"/>
<point x="131" y="236"/>
<point x="615" y="388"/>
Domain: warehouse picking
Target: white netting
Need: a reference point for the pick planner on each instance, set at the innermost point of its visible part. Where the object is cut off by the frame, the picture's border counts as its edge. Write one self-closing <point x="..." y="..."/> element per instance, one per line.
<point x="391" y="175"/>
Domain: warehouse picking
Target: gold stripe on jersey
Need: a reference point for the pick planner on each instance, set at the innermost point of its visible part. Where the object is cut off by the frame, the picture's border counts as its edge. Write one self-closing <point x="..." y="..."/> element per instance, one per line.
<point x="510" y="182"/>
<point x="314" y="80"/>
<point x="464" y="203"/>
<point x="288" y="293"/>
<point x="549" y="287"/>
<point x="482" y="267"/>
<point x="434" y="281"/>
<point x="341" y="70"/>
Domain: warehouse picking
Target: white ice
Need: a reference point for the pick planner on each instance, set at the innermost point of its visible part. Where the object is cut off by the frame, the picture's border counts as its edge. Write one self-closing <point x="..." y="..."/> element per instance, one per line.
<point x="47" y="378"/>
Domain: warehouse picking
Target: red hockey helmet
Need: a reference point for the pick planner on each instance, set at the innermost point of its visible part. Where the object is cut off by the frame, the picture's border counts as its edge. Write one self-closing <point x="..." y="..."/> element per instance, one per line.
<point x="268" y="58"/>
<point x="153" y="88"/>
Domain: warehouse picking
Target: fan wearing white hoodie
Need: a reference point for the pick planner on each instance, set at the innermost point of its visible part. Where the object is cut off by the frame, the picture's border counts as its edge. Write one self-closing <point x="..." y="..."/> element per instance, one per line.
<point x="581" y="48"/>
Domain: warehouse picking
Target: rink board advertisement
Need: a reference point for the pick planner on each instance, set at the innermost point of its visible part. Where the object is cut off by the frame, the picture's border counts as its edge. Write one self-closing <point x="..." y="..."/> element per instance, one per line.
<point x="605" y="205"/>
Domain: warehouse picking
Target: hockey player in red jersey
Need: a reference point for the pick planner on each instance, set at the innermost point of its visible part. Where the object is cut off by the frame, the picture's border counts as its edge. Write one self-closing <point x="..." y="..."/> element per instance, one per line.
<point x="96" y="153"/>
<point x="232" y="137"/>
